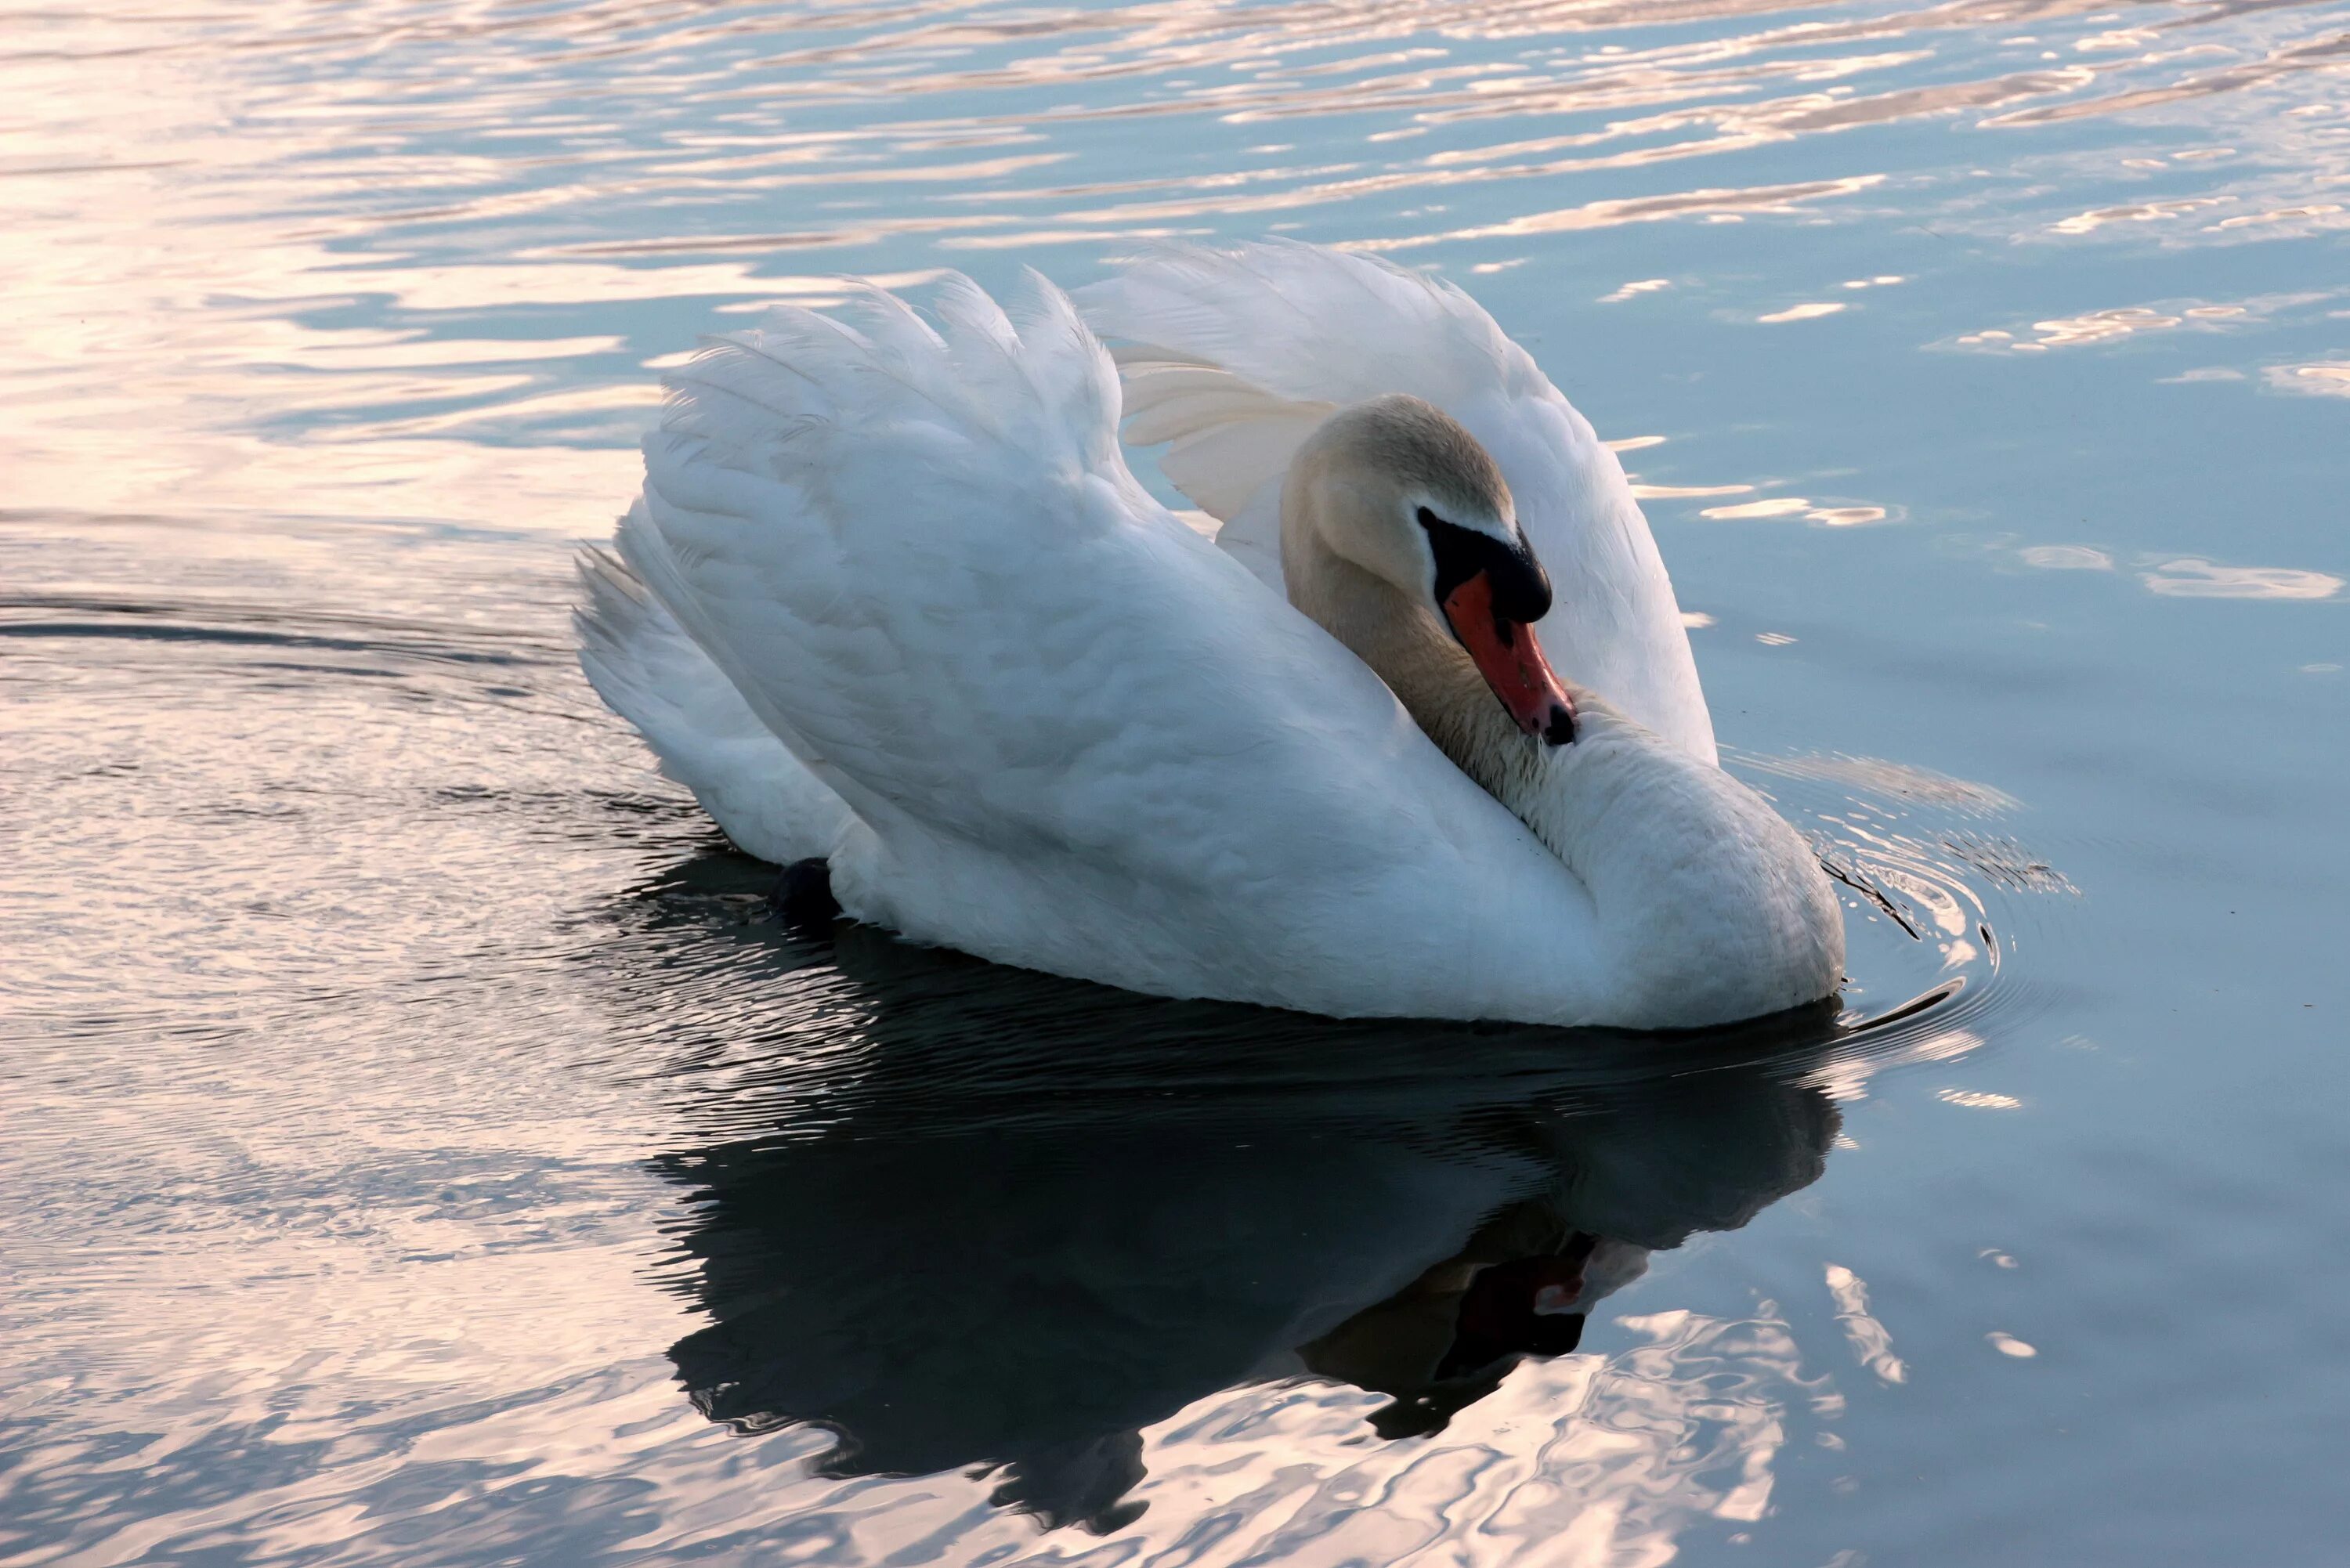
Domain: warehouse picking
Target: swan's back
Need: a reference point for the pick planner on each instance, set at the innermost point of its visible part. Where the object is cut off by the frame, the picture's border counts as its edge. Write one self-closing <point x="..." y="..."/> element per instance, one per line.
<point x="1235" y="357"/>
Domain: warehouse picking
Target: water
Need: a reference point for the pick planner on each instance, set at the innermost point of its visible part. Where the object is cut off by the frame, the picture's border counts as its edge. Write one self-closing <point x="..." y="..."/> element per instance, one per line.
<point x="421" y="1146"/>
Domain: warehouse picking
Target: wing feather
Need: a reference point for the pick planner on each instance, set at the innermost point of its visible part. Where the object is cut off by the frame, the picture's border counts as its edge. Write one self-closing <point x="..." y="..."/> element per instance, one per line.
<point x="641" y="662"/>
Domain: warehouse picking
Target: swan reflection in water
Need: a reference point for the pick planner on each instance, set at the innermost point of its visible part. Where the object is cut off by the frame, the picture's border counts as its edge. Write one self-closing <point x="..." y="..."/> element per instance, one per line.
<point x="962" y="1215"/>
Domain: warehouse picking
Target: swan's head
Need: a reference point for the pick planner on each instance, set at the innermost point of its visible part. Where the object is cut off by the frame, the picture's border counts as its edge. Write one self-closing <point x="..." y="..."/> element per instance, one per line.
<point x="1395" y="487"/>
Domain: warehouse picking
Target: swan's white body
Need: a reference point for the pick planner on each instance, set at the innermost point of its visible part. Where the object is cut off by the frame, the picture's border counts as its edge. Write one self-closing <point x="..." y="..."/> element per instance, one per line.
<point x="892" y="597"/>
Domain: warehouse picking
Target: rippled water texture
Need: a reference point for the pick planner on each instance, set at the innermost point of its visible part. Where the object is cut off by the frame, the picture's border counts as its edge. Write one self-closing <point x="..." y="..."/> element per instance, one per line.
<point x="420" y="1145"/>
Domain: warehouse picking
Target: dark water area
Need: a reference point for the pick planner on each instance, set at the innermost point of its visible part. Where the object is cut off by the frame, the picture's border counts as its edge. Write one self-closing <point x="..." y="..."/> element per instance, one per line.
<point x="422" y="1143"/>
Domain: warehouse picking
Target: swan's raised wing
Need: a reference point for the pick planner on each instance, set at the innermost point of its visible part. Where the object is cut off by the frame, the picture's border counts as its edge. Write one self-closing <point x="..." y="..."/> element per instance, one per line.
<point x="1235" y="356"/>
<point x="1074" y="734"/>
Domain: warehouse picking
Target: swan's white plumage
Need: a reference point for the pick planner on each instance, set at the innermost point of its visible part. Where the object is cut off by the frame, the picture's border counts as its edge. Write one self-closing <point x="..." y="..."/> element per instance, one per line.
<point x="1236" y="356"/>
<point x="892" y="597"/>
<point x="1071" y="733"/>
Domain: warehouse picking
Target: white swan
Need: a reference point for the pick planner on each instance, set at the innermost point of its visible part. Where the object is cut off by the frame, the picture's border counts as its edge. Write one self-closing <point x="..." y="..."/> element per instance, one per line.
<point x="891" y="598"/>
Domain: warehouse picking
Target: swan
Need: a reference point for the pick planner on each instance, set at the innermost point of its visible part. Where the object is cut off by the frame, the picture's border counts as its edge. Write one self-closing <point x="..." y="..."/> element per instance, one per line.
<point x="890" y="599"/>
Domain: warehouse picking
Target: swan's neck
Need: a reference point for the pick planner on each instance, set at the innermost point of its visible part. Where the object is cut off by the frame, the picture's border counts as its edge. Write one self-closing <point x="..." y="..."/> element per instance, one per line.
<point x="1440" y="686"/>
<point x="1427" y="670"/>
<point x="1705" y="892"/>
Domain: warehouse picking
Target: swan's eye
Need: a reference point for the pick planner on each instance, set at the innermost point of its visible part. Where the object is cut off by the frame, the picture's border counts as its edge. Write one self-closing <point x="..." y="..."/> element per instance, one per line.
<point x="1521" y="586"/>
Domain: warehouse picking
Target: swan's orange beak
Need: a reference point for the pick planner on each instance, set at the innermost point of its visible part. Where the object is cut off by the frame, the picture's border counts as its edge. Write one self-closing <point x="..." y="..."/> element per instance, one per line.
<point x="1511" y="661"/>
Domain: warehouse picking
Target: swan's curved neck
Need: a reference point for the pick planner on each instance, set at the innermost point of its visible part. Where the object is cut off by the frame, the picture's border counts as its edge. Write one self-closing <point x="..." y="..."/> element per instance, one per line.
<point x="1429" y="672"/>
<point x="1440" y="687"/>
<point x="1695" y="878"/>
<point x="1410" y="648"/>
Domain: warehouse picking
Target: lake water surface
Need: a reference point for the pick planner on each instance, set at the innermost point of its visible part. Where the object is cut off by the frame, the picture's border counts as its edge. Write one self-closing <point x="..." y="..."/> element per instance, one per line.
<point x="420" y="1144"/>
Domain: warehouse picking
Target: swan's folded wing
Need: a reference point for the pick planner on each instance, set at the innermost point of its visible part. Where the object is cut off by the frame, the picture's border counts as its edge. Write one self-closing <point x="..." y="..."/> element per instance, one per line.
<point x="1081" y="738"/>
<point x="642" y="663"/>
<point x="1228" y="355"/>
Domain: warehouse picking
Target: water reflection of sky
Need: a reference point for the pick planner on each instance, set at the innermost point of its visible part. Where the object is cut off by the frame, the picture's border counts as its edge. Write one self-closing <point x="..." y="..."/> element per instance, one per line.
<point x="273" y="265"/>
<point x="1982" y="368"/>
